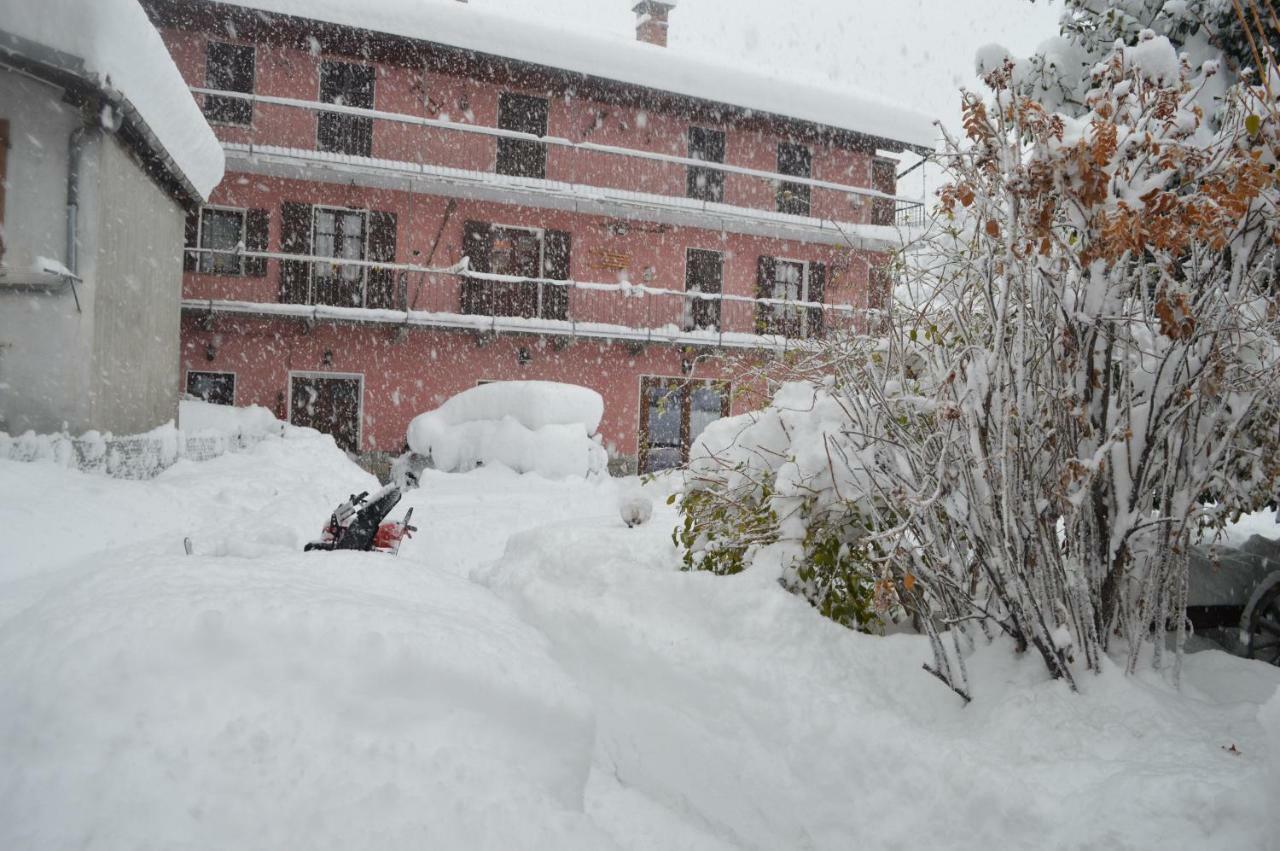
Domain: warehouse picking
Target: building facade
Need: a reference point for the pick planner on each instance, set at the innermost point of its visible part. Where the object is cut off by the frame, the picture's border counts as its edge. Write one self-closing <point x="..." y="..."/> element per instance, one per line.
<point x="415" y="206"/>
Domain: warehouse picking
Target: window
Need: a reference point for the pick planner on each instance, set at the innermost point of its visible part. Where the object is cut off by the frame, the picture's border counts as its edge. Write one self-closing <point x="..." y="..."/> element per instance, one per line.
<point x="523" y="114"/>
<point x="228" y="68"/>
<point x="339" y="234"/>
<point x="707" y="145"/>
<point x="342" y="234"/>
<point x="329" y="404"/>
<point x="346" y="84"/>
<point x="795" y="161"/>
<point x="218" y="388"/>
<point x="673" y="412"/>
<point x="221" y="230"/>
<point x="703" y="271"/>
<point x="518" y="252"/>
<point x="790" y="280"/>
<point x="223" y="235"/>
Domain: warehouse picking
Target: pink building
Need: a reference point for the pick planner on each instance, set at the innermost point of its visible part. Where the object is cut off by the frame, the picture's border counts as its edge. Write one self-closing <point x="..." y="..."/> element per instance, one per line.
<point x="422" y="197"/>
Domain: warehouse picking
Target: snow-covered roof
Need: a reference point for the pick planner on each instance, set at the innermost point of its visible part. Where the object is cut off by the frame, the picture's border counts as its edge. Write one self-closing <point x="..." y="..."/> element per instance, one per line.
<point x="614" y="58"/>
<point x="116" y="48"/>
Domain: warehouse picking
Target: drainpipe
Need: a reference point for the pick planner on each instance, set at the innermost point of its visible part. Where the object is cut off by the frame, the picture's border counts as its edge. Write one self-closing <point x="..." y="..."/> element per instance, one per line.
<point x="75" y="153"/>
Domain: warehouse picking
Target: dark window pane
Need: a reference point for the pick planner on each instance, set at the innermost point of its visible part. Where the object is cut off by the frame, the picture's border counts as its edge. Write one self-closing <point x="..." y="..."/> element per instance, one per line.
<point x="797" y="161"/>
<point x="703" y="271"/>
<point x="218" y="388"/>
<point x="346" y="84"/>
<point x="221" y="230"/>
<point x="883" y="179"/>
<point x="521" y="157"/>
<point x="229" y="68"/>
<point x="703" y="183"/>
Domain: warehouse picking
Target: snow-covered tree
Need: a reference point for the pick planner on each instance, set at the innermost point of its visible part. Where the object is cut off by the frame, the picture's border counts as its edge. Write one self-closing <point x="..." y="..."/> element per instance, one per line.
<point x="1085" y="386"/>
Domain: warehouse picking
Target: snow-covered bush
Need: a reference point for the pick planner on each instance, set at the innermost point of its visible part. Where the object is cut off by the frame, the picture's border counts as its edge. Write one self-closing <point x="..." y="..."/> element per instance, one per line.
<point x="760" y="489"/>
<point x="1029" y="448"/>
<point x="529" y="426"/>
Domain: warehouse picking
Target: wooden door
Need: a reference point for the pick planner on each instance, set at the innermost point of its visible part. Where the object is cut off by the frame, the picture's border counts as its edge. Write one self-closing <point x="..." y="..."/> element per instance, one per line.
<point x="327" y="404"/>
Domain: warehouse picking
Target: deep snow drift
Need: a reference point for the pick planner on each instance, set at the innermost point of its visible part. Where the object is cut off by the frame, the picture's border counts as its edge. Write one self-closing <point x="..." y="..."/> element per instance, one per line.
<point x="530" y="673"/>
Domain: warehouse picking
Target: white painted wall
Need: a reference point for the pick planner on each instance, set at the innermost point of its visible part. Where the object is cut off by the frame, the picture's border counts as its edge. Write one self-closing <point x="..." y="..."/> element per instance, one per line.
<point x="44" y="343"/>
<point x="113" y="364"/>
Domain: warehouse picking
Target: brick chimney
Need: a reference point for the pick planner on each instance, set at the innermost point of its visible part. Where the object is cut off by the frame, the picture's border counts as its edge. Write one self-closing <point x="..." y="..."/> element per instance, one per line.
<point x="651" y="21"/>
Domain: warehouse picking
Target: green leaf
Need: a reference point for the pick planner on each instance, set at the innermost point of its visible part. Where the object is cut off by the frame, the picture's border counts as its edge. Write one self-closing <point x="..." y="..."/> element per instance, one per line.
<point x="1253" y="124"/>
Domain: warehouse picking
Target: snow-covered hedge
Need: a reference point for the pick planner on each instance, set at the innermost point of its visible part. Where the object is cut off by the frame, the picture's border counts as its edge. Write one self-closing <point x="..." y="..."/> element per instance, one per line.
<point x="539" y="427"/>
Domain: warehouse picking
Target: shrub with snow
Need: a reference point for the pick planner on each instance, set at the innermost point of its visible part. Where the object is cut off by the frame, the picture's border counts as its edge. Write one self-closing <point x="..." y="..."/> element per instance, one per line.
<point x="542" y="427"/>
<point x="760" y="490"/>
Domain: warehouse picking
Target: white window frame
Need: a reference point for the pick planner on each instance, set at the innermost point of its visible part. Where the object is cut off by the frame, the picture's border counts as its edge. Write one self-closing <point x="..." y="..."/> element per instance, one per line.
<point x="804" y="276"/>
<point x="235" y="381"/>
<point x="313" y="373"/>
<point x="252" y="112"/>
<point x="200" y="255"/>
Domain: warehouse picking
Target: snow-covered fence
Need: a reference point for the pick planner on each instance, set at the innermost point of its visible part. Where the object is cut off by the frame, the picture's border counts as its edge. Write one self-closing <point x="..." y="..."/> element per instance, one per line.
<point x="209" y="433"/>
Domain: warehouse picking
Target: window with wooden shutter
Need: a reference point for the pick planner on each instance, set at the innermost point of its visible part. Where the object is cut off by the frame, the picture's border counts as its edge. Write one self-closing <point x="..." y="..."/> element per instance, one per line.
<point x="295" y="238"/>
<point x="385" y="289"/>
<point x="703" y="273"/>
<point x="783" y="280"/>
<point x="522" y="114"/>
<point x="346" y="84"/>
<point x="796" y="161"/>
<point x="556" y="245"/>
<point x="229" y="68"/>
<point x="707" y="145"/>
<point x="257" y="225"/>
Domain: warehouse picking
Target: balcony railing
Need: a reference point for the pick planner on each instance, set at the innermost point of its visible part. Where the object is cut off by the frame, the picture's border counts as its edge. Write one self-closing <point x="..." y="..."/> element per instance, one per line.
<point x="416" y="143"/>
<point x="456" y="297"/>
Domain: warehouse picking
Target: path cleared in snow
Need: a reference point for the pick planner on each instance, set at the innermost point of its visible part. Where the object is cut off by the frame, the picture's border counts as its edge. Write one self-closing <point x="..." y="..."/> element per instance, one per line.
<point x="529" y="673"/>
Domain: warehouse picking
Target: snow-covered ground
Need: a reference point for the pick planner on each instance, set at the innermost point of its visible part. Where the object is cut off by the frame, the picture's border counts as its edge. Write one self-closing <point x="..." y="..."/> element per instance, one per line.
<point x="530" y="673"/>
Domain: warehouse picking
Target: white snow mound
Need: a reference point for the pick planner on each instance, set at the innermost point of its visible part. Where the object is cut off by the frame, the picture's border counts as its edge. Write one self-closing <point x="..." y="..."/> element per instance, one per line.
<point x="529" y="426"/>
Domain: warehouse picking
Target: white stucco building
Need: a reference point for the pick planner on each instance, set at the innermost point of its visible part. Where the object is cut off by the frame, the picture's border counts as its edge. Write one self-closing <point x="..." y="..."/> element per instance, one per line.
<point x="102" y="151"/>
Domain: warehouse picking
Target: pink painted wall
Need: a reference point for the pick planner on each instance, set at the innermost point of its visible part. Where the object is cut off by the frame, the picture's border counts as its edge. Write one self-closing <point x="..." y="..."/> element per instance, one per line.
<point x="752" y="143"/>
<point x="660" y="247"/>
<point x="404" y="378"/>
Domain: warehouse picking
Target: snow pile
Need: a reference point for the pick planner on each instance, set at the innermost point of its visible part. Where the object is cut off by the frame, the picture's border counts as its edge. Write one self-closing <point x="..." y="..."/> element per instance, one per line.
<point x="583" y="694"/>
<point x="730" y="700"/>
<point x="539" y="427"/>
<point x="196" y="417"/>
<point x="266" y="698"/>
<point x="118" y="45"/>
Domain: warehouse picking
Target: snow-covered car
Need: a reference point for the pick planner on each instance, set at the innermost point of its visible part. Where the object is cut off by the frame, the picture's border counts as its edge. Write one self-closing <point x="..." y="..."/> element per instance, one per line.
<point x="1233" y="597"/>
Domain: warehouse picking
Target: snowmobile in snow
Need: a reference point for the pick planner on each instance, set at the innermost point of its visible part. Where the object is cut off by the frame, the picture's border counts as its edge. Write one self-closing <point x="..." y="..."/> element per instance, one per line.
<point x="357" y="524"/>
